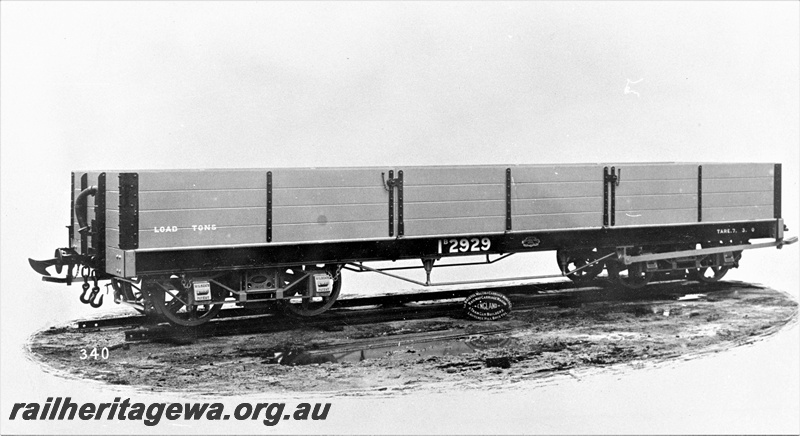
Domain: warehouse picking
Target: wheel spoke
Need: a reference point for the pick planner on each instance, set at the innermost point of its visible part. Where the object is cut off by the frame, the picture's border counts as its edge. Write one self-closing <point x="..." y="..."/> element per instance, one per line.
<point x="579" y="266"/>
<point x="170" y="310"/>
<point x="636" y="278"/>
<point x="174" y="295"/>
<point x="306" y="307"/>
<point x="175" y="305"/>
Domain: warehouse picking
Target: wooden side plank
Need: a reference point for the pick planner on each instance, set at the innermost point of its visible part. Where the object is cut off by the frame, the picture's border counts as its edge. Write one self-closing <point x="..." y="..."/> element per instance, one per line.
<point x="257" y="216"/>
<point x="329" y="177"/>
<point x="652" y="217"/>
<point x="672" y="171"/>
<point x="548" y="206"/>
<point x="324" y="214"/>
<point x="171" y="200"/>
<point x="763" y="184"/>
<point x="201" y="180"/>
<point x="112" y="219"/>
<point x="195" y="238"/>
<point x="558" y="221"/>
<point x="738" y="170"/>
<point x="656" y="202"/>
<point x="437" y="176"/>
<point x="726" y="199"/>
<point x="112" y="238"/>
<point x="737" y="213"/>
<point x="482" y="174"/>
<point x="256" y="178"/>
<point x="418" y="194"/>
<point x="657" y="187"/>
<point x="328" y="196"/>
<point x="329" y="231"/>
<point x="557" y="190"/>
<point x="184" y="218"/>
<point x="556" y="173"/>
<point x="454" y="226"/>
<point x="453" y="209"/>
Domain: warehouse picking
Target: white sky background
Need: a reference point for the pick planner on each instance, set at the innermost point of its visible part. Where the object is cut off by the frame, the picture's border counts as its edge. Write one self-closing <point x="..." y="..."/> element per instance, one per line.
<point x="148" y="85"/>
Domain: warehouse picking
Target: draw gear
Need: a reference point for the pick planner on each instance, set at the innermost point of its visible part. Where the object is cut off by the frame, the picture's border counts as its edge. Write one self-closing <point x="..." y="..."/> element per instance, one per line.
<point x="90" y="300"/>
<point x="95" y="290"/>
<point x="85" y="286"/>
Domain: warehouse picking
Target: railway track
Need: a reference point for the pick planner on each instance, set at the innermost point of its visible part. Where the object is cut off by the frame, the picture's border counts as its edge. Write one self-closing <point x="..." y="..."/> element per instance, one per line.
<point x="346" y="303"/>
<point x="552" y="328"/>
<point x="370" y="310"/>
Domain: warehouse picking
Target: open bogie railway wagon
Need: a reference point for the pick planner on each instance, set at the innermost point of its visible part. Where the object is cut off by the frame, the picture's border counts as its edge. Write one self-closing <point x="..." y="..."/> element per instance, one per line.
<point x="179" y="244"/>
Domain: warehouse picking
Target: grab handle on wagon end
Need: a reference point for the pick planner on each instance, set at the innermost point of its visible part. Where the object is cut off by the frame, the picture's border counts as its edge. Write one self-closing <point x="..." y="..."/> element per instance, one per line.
<point x="80" y="208"/>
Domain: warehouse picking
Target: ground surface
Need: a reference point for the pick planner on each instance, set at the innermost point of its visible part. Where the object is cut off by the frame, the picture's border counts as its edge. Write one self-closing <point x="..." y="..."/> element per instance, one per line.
<point x="444" y="352"/>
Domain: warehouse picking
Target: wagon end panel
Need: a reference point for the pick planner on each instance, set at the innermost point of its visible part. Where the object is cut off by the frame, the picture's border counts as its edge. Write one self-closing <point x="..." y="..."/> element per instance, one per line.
<point x="655" y="194"/>
<point x="740" y="192"/>
<point x="112" y="222"/>
<point x="548" y="197"/>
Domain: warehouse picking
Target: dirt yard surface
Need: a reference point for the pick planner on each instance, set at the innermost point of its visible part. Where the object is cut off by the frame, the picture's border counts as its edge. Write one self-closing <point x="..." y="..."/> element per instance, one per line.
<point x="439" y="353"/>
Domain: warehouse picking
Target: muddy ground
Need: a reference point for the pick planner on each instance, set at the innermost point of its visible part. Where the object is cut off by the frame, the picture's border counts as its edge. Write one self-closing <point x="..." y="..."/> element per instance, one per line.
<point x="438" y="353"/>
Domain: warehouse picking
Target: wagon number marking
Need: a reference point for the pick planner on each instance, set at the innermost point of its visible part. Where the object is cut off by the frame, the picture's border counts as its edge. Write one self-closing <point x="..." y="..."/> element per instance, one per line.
<point x="464" y="245"/>
<point x="103" y="354"/>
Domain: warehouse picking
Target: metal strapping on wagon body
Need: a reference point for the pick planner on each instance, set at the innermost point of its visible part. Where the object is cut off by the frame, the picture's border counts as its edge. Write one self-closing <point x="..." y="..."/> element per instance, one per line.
<point x="400" y="225"/>
<point x="777" y="191"/>
<point x="508" y="199"/>
<point x="128" y="211"/>
<point x="605" y="196"/>
<point x="614" y="182"/>
<point x="269" y="206"/>
<point x="71" y="212"/>
<point x="610" y="180"/>
<point x="84" y="235"/>
<point x="390" y="187"/>
<point x="699" y="193"/>
<point x="99" y="229"/>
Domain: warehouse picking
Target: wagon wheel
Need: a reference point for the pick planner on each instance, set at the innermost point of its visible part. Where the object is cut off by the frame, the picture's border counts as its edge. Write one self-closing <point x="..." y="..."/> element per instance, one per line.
<point x="306" y="307"/>
<point x="570" y="261"/>
<point x="710" y="274"/>
<point x="635" y="276"/>
<point x="170" y="301"/>
<point x="713" y="274"/>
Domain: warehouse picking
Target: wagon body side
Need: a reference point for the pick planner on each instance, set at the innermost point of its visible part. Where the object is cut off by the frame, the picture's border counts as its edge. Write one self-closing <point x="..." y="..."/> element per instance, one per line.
<point x="206" y="219"/>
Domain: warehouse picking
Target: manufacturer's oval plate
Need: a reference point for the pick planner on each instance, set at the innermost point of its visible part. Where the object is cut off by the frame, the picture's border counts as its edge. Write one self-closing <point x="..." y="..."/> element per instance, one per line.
<point x="487" y="306"/>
